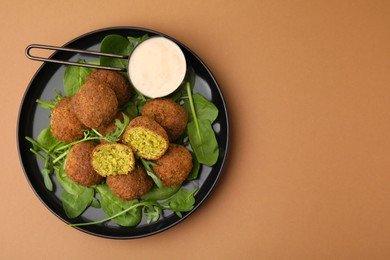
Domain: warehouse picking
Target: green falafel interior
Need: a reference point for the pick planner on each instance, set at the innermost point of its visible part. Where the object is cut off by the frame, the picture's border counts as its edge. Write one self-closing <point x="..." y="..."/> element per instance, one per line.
<point x="113" y="159"/>
<point x="146" y="143"/>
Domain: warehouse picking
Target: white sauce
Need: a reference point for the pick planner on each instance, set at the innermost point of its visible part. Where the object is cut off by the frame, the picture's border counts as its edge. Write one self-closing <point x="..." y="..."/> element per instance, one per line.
<point x="157" y="67"/>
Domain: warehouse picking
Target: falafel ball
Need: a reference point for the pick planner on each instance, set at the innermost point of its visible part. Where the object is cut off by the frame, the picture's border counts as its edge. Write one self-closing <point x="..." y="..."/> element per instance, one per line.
<point x="118" y="83"/>
<point x="65" y="126"/>
<point x="130" y="186"/>
<point x="78" y="165"/>
<point x="112" y="159"/>
<point x="169" y="114"/>
<point x="146" y="137"/>
<point x="174" y="166"/>
<point x="95" y="104"/>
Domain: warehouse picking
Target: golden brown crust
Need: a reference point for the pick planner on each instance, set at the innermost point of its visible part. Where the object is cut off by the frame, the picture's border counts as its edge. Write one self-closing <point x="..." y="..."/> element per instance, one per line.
<point x="130" y="186"/>
<point x="95" y="104"/>
<point x="174" y="166"/>
<point x="79" y="167"/>
<point x="170" y="115"/>
<point x="118" y="83"/>
<point x="65" y="126"/>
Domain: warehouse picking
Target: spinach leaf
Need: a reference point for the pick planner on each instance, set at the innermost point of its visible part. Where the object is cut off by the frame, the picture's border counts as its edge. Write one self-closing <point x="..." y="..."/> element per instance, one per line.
<point x="136" y="40"/>
<point x="112" y="205"/>
<point x="130" y="108"/>
<point x="74" y="78"/>
<point x="95" y="203"/>
<point x="182" y="201"/>
<point x="75" y="198"/>
<point x="75" y="203"/>
<point x="201" y="136"/>
<point x="195" y="168"/>
<point x="203" y="142"/>
<point x="162" y="193"/>
<point x="181" y="91"/>
<point x="46" y="138"/>
<point x="115" y="44"/>
<point x="205" y="110"/>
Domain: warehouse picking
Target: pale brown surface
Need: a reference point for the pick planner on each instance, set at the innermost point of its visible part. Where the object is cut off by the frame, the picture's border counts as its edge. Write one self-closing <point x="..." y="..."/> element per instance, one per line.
<point x="307" y="85"/>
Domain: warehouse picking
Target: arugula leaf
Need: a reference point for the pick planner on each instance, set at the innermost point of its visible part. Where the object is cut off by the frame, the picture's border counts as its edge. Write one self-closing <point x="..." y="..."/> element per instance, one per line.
<point x="121" y="127"/>
<point x="150" y="172"/>
<point x="52" y="103"/>
<point x="112" y="205"/>
<point x="74" y="78"/>
<point x="152" y="211"/>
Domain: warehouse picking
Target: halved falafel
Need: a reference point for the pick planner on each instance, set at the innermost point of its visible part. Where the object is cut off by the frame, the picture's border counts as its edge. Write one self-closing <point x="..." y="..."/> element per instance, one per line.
<point x="65" y="126"/>
<point x="146" y="137"/>
<point x="113" y="159"/>
<point x="174" y="166"/>
<point x="78" y="165"/>
<point x="95" y="104"/>
<point x="169" y="114"/>
<point x="130" y="186"/>
<point x="118" y="83"/>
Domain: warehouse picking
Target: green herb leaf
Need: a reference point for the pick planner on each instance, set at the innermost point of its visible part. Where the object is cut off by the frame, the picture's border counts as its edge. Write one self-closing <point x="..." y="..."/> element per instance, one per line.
<point x="95" y="203"/>
<point x="182" y="201"/>
<point x="115" y="44"/>
<point x="152" y="211"/>
<point x="121" y="127"/>
<point x="75" y="198"/>
<point x="136" y="40"/>
<point x="162" y="193"/>
<point x="46" y="138"/>
<point x="74" y="78"/>
<point x="150" y="172"/>
<point x="203" y="142"/>
<point x="205" y="110"/>
<point x="47" y="180"/>
<point x="195" y="168"/>
<point x="112" y="205"/>
<point x="201" y="136"/>
<point x="181" y="91"/>
<point x="130" y="108"/>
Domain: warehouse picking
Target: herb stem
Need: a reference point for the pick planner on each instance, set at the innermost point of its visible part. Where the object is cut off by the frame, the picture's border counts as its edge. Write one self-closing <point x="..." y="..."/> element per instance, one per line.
<point x="193" y="111"/>
<point x="60" y="157"/>
<point x="45" y="104"/>
<point x="38" y="155"/>
<point x="37" y="144"/>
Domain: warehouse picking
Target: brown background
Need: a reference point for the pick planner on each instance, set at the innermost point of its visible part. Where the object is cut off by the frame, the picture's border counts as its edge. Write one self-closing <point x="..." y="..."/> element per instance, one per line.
<point x="307" y="85"/>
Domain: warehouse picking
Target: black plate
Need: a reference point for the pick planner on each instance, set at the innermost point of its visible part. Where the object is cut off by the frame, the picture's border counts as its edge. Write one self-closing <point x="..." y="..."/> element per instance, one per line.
<point x="33" y="118"/>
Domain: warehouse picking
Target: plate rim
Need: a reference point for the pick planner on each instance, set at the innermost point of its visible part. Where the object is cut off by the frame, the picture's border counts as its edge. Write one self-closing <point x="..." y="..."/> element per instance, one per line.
<point x="223" y="159"/>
